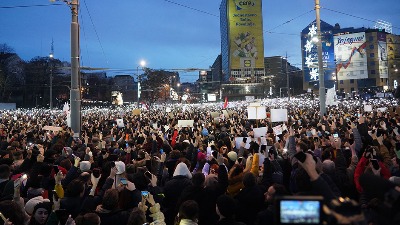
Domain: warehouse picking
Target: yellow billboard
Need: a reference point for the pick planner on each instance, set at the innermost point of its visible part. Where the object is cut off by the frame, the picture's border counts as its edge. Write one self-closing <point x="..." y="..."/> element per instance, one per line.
<point x="245" y="34"/>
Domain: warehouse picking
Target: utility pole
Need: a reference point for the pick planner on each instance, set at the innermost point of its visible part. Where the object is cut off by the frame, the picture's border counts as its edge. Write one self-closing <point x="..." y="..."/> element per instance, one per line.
<point x="287" y="79"/>
<point x="75" y="95"/>
<point x="322" y="107"/>
<point x="51" y="56"/>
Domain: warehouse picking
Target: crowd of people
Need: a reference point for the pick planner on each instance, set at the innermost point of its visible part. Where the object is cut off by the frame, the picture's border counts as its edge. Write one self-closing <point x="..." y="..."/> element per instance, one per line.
<point x="150" y="170"/>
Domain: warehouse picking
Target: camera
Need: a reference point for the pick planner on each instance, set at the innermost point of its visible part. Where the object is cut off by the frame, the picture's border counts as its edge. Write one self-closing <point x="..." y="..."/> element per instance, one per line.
<point x="299" y="210"/>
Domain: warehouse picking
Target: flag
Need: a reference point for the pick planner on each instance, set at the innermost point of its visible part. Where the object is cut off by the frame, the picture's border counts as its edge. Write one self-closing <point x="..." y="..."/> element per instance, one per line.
<point x="226" y="102"/>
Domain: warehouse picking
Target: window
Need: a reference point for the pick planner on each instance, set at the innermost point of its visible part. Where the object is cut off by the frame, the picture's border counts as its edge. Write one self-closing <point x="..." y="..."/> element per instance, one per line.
<point x="372" y="55"/>
<point x="372" y="63"/>
<point x="361" y="72"/>
<point x="352" y="89"/>
<point x="371" y="38"/>
<point x="371" y="46"/>
<point x="341" y="82"/>
<point x="372" y="71"/>
<point x="361" y="63"/>
<point x="351" y="81"/>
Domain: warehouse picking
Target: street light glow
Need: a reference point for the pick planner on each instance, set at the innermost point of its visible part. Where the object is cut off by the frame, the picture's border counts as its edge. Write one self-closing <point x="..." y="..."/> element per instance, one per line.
<point x="142" y="63"/>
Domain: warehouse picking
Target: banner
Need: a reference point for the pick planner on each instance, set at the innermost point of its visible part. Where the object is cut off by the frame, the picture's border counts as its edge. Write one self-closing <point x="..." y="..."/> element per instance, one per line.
<point x="52" y="128"/>
<point x="383" y="55"/>
<point x="246" y="34"/>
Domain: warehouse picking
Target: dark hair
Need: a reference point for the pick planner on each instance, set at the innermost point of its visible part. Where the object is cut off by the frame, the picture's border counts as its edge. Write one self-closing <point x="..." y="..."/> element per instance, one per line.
<point x="87" y="219"/>
<point x="189" y="210"/>
<point x="4" y="171"/>
<point x="137" y="217"/>
<point x="75" y="188"/>
<point x="110" y="199"/>
<point x="249" y="180"/>
<point x="198" y="179"/>
<point x="12" y="211"/>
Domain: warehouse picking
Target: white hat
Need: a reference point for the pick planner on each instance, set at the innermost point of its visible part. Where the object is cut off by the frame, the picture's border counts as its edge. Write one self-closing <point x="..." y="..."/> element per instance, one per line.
<point x="84" y="166"/>
<point x="182" y="170"/>
<point x="232" y="155"/>
<point x="120" y="167"/>
<point x="30" y="205"/>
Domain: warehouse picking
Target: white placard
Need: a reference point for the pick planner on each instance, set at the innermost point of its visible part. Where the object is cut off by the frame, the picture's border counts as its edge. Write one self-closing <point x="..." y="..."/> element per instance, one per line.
<point x="168" y="109"/>
<point x="155" y="126"/>
<point x="368" y="108"/>
<point x="278" y="115"/>
<point x="259" y="132"/>
<point x="239" y="140"/>
<point x="382" y="109"/>
<point x="120" y="123"/>
<point x="211" y="97"/>
<point x="277" y="130"/>
<point x="254" y="104"/>
<point x="256" y="112"/>
<point x="214" y="114"/>
<point x="185" y="123"/>
<point x="226" y="114"/>
<point x="52" y="128"/>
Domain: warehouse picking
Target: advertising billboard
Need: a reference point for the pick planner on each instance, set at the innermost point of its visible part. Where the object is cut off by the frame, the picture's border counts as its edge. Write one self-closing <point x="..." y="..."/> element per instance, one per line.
<point x="245" y="34"/>
<point x="382" y="54"/>
<point x="350" y="55"/>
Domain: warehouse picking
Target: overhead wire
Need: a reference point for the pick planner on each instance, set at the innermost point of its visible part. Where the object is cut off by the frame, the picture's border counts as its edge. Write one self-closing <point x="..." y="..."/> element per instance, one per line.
<point x="29" y="6"/>
<point x="191" y="8"/>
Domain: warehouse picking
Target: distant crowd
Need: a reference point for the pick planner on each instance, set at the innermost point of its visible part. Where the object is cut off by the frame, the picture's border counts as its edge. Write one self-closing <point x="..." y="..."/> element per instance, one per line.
<point x="138" y="167"/>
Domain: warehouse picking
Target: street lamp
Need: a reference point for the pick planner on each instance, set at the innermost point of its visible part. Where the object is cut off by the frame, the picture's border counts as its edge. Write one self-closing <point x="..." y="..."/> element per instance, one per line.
<point x="142" y="64"/>
<point x="51" y="56"/>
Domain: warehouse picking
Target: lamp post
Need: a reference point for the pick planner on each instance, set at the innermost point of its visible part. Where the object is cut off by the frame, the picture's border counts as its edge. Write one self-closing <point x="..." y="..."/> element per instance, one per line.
<point x="51" y="80"/>
<point x="322" y="107"/>
<point x="142" y="64"/>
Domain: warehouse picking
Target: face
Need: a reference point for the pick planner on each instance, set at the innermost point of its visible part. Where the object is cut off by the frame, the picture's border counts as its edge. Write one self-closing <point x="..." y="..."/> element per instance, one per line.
<point x="41" y="215"/>
<point x="269" y="195"/>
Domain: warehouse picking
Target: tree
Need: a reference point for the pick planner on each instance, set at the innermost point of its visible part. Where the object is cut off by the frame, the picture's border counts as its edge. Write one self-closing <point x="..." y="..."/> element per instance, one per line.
<point x="155" y="85"/>
<point x="11" y="73"/>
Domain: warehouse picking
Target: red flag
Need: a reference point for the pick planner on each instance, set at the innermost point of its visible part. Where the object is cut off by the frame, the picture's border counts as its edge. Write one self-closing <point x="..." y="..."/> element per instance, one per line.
<point x="226" y="102"/>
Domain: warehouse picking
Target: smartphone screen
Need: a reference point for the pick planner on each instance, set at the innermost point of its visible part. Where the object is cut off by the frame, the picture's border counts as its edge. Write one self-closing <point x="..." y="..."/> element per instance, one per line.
<point x="335" y="135"/>
<point x="55" y="167"/>
<point x="145" y="193"/>
<point x="124" y="181"/>
<point x="301" y="156"/>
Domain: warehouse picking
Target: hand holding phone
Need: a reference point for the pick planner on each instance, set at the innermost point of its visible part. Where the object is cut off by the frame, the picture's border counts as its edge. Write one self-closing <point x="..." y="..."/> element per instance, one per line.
<point x="301" y="156"/>
<point x="124" y="181"/>
<point x="375" y="164"/>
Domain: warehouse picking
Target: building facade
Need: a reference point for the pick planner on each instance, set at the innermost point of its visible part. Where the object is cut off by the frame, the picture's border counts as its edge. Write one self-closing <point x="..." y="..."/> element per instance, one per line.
<point x="355" y="59"/>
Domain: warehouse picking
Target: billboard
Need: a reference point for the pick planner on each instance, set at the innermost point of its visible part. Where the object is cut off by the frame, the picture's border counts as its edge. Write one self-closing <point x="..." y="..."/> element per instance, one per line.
<point x="350" y="55"/>
<point x="383" y="57"/>
<point x="211" y="97"/>
<point x="245" y="34"/>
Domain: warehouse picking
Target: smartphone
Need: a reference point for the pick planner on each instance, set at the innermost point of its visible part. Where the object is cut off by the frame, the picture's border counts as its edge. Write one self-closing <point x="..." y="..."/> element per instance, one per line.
<point x="161" y="151"/>
<point x="301" y="156"/>
<point x="263" y="148"/>
<point x="240" y="159"/>
<point x="126" y="145"/>
<point x="96" y="172"/>
<point x="55" y="167"/>
<point x="335" y="135"/>
<point x="62" y="215"/>
<point x="245" y="140"/>
<point x="24" y="177"/>
<point x="145" y="193"/>
<point x="123" y="181"/>
<point x="375" y="164"/>
<point x="148" y="174"/>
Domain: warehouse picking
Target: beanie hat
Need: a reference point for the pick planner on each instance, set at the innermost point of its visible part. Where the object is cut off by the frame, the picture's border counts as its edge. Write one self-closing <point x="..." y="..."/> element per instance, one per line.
<point x="232" y="155"/>
<point x="84" y="166"/>
<point x="120" y="167"/>
<point x="201" y="156"/>
<point x="182" y="170"/>
<point x="226" y="206"/>
<point x="30" y="206"/>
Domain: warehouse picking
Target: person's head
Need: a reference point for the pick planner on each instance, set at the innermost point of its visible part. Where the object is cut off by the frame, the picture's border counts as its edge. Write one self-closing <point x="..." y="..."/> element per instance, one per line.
<point x="88" y="219"/>
<point x="301" y="146"/>
<point x="274" y="191"/>
<point x="110" y="199"/>
<point x="41" y="213"/>
<point x="137" y="217"/>
<point x="189" y="210"/>
<point x="198" y="179"/>
<point x="249" y="180"/>
<point x="75" y="189"/>
<point x="11" y="210"/>
<point x="4" y="171"/>
<point x="226" y="206"/>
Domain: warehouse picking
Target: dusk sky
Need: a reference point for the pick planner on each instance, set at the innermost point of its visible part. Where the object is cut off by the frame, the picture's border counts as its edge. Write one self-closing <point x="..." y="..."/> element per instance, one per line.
<point x="168" y="34"/>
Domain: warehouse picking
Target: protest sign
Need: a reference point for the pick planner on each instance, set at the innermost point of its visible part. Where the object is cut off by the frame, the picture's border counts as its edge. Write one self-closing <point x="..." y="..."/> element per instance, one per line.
<point x="260" y="132"/>
<point x="136" y="112"/>
<point x="256" y="112"/>
<point x="368" y="108"/>
<point x="120" y="123"/>
<point x="278" y="115"/>
<point x="185" y="123"/>
<point x="52" y="128"/>
<point x="239" y="140"/>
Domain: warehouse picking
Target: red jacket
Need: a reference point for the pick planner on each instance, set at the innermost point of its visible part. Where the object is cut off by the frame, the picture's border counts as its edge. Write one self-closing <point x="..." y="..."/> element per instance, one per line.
<point x="385" y="173"/>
